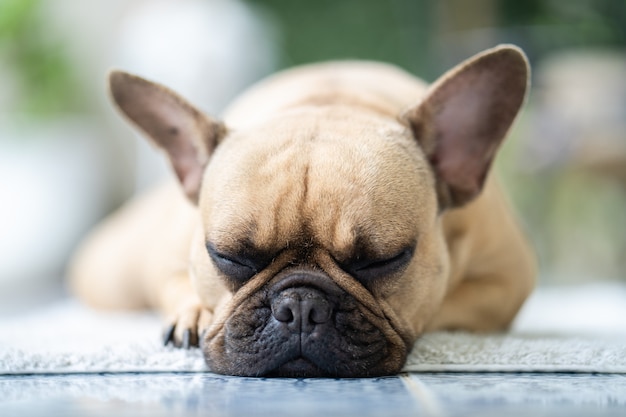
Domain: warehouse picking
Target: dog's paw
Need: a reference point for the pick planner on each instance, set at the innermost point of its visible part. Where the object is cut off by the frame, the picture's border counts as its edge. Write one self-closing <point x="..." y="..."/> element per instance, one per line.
<point x="185" y="328"/>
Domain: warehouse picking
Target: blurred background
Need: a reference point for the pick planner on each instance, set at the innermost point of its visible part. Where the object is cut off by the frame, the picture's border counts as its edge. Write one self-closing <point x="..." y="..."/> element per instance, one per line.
<point x="67" y="159"/>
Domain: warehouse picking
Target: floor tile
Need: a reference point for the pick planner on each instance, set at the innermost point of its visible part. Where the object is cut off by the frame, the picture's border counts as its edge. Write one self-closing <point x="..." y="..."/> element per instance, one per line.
<point x="509" y="394"/>
<point x="437" y="395"/>
<point x="194" y="394"/>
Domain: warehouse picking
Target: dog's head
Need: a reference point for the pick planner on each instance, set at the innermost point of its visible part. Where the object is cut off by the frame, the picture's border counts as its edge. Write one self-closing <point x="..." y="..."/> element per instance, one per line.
<point x="322" y="251"/>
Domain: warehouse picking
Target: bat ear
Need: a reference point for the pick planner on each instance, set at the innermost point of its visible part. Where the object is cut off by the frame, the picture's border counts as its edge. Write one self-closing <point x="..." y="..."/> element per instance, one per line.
<point x="465" y="116"/>
<point x="181" y="130"/>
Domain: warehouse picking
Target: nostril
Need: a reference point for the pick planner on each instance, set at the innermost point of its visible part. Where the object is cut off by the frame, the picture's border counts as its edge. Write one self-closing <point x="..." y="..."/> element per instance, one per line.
<point x="282" y="312"/>
<point x="316" y="310"/>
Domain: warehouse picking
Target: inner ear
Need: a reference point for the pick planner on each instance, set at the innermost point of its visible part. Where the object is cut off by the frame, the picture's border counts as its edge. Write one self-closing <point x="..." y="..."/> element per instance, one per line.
<point x="466" y="115"/>
<point x="174" y="125"/>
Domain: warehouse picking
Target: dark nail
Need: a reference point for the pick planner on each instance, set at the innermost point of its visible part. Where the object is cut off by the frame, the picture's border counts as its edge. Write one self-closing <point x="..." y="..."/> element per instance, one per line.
<point x="168" y="335"/>
<point x="187" y="339"/>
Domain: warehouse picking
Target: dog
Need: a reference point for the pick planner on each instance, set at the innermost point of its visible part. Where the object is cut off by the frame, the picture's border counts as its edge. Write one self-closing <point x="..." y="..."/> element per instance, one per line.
<point x="336" y="213"/>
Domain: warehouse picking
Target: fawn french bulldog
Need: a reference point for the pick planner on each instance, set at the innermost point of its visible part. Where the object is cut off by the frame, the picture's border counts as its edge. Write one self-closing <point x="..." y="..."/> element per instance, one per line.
<point x="334" y="214"/>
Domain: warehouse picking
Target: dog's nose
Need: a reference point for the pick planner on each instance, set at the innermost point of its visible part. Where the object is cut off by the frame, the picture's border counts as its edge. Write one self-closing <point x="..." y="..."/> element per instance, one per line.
<point x="301" y="309"/>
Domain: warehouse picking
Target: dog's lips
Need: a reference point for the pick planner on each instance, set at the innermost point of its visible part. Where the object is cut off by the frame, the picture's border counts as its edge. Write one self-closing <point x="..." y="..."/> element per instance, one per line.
<point x="295" y="368"/>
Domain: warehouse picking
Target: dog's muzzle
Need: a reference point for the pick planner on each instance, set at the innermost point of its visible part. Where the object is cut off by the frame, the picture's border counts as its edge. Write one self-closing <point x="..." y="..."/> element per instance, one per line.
<point x="299" y="325"/>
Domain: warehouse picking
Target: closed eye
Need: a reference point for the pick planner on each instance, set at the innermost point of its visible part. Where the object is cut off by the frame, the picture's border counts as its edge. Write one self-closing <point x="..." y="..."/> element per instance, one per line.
<point x="370" y="269"/>
<point x="237" y="268"/>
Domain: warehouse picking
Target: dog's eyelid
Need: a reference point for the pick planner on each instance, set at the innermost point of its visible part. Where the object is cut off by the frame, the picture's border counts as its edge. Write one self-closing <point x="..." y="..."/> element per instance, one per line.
<point x="235" y="261"/>
<point x="254" y="261"/>
<point x="382" y="261"/>
<point x="368" y="268"/>
<point x="236" y="271"/>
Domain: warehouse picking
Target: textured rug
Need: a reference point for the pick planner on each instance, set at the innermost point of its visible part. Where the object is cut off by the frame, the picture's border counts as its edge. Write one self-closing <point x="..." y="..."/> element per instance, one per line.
<point x="572" y="329"/>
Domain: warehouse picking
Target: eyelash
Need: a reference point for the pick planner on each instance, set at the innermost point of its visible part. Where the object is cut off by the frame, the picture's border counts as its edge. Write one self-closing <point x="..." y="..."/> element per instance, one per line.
<point x="236" y="270"/>
<point x="369" y="271"/>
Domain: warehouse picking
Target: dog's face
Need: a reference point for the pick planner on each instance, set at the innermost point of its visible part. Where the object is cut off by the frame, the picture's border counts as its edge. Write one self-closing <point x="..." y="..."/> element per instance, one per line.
<point x="319" y="236"/>
<point x="322" y="252"/>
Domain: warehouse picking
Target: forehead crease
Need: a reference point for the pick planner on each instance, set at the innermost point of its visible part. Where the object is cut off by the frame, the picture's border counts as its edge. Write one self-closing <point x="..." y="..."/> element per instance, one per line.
<point x="271" y="196"/>
<point x="336" y="193"/>
<point x="362" y="217"/>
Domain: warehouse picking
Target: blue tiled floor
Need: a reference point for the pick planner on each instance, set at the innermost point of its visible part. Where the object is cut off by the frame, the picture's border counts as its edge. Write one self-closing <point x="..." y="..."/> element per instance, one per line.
<point x="407" y="395"/>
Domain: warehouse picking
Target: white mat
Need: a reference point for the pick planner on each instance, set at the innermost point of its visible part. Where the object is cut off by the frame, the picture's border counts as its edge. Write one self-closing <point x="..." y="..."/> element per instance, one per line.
<point x="580" y="329"/>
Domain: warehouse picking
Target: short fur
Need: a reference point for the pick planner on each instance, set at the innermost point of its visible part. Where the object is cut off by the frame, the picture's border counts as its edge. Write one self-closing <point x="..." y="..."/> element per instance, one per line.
<point x="339" y="211"/>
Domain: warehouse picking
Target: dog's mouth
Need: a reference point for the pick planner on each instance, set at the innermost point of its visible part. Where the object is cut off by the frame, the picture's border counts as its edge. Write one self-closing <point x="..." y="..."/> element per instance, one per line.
<point x="297" y="368"/>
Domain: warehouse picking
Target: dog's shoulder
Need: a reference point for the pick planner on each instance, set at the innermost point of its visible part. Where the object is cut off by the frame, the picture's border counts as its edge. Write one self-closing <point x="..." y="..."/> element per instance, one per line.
<point x="484" y="234"/>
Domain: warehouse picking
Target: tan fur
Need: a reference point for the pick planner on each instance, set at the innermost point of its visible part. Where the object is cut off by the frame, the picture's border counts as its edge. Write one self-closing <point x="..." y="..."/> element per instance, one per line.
<point x="313" y="160"/>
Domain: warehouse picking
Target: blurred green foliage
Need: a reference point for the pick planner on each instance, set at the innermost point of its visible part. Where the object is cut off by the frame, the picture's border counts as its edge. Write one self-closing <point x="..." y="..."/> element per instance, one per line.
<point x="392" y="30"/>
<point x="553" y="24"/>
<point x="37" y="61"/>
<point x="405" y="32"/>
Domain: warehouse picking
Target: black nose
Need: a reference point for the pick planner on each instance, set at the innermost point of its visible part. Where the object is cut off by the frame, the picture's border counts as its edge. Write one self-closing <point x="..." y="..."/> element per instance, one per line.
<point x="301" y="309"/>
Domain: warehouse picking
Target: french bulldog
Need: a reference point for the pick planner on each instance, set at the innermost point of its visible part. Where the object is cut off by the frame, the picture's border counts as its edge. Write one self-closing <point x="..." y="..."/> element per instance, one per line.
<point x="335" y="213"/>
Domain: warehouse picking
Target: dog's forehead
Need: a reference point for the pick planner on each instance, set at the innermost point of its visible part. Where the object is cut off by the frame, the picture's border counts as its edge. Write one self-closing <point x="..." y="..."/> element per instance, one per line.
<point x="324" y="177"/>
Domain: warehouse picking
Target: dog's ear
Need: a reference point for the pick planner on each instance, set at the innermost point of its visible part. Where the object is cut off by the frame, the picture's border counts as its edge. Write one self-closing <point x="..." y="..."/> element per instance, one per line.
<point x="182" y="131"/>
<point x="465" y="116"/>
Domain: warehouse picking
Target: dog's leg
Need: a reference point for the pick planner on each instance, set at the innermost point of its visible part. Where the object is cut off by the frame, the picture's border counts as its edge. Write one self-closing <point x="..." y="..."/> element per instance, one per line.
<point x="493" y="266"/>
<point x="483" y="304"/>
<point x="103" y="272"/>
